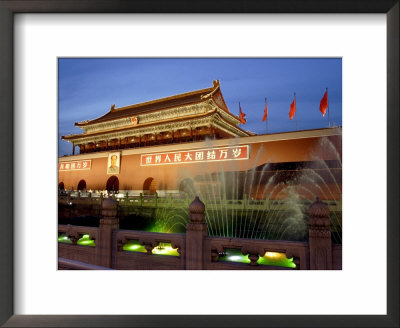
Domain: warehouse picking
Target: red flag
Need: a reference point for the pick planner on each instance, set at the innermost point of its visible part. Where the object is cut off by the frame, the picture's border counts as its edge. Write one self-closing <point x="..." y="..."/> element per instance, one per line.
<point x="292" y="108"/>
<point x="265" y="112"/>
<point x="323" y="105"/>
<point x="242" y="115"/>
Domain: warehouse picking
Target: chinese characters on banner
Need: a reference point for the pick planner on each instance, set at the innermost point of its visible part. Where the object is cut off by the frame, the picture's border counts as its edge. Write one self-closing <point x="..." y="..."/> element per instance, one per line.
<point x="196" y="156"/>
<point x="75" y="165"/>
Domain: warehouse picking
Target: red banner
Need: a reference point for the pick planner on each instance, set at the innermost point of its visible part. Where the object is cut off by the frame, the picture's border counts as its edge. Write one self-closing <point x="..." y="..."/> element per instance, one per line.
<point x="75" y="165"/>
<point x="196" y="156"/>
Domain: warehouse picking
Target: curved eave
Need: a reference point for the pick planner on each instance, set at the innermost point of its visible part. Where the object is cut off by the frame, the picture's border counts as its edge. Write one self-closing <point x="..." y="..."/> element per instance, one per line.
<point x="103" y="118"/>
<point x="237" y="127"/>
<point x="78" y="136"/>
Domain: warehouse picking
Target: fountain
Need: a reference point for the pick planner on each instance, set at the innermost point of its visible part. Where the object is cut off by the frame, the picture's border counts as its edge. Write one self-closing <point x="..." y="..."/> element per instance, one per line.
<point x="248" y="198"/>
<point x="267" y="201"/>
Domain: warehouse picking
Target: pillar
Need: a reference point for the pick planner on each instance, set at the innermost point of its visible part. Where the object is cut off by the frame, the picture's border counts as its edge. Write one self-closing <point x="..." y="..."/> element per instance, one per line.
<point x="108" y="223"/>
<point x="73" y="149"/>
<point x="320" y="243"/>
<point x="196" y="231"/>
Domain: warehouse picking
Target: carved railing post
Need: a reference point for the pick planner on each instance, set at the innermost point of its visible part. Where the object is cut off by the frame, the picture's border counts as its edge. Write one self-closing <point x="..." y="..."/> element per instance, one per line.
<point x="196" y="231"/>
<point x="320" y="237"/>
<point x="72" y="235"/>
<point x="108" y="223"/>
<point x="253" y="252"/>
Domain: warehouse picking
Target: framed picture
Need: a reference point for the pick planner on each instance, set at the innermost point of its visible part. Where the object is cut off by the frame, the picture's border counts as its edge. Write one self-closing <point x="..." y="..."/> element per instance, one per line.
<point x="194" y="296"/>
<point x="113" y="163"/>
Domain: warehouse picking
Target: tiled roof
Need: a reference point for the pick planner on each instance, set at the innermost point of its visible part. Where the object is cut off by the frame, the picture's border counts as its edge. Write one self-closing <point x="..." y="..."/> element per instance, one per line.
<point x="154" y="105"/>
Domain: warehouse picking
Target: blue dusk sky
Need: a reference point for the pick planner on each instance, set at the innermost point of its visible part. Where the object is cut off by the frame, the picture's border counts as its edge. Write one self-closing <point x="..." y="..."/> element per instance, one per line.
<point x="87" y="87"/>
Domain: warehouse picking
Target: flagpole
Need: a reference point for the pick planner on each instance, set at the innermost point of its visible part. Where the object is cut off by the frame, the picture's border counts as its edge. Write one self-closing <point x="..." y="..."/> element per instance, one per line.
<point x="266" y="121"/>
<point x="329" y="118"/>
<point x="295" y="113"/>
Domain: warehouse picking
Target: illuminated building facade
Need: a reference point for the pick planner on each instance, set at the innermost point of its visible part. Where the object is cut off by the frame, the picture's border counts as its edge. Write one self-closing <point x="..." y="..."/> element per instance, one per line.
<point x="186" y="141"/>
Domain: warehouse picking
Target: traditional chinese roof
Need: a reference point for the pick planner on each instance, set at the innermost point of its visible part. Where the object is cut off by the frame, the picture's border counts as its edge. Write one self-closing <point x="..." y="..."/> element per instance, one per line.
<point x="127" y="128"/>
<point x="183" y="99"/>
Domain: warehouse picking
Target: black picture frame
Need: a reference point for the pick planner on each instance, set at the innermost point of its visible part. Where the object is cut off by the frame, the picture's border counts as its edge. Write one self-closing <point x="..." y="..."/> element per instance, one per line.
<point x="10" y="7"/>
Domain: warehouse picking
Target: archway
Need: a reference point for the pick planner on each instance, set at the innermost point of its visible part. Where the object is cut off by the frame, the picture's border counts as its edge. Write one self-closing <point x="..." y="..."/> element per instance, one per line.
<point x="82" y="185"/>
<point x="112" y="184"/>
<point x="61" y="186"/>
<point x="149" y="186"/>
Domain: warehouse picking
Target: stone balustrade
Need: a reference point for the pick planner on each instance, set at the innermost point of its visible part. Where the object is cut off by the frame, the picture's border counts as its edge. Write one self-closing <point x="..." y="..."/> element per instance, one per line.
<point x="69" y="248"/>
<point x="147" y="258"/>
<point x="179" y="200"/>
<point x="195" y="250"/>
<point x="74" y="233"/>
<point x="214" y="246"/>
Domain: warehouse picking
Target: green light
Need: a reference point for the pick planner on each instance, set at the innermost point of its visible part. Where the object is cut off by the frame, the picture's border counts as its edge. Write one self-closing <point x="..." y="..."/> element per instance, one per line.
<point x="234" y="255"/>
<point x="276" y="259"/>
<point x="165" y="249"/>
<point x="134" y="246"/>
<point x="64" y="239"/>
<point x="86" y="241"/>
<point x="269" y="258"/>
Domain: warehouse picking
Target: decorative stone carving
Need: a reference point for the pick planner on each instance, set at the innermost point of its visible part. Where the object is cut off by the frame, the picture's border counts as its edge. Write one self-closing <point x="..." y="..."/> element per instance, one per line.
<point x="109" y="208"/>
<point x="72" y="234"/>
<point x="254" y="258"/>
<point x="320" y="236"/>
<point x="121" y="243"/>
<point x="319" y="209"/>
<point x="290" y="253"/>
<point x="108" y="223"/>
<point x="196" y="231"/>
<point x="319" y="221"/>
<point x="149" y="248"/>
<point x="177" y="246"/>
<point x="214" y="255"/>
<point x="197" y="210"/>
<point x="253" y="252"/>
<point x="296" y="261"/>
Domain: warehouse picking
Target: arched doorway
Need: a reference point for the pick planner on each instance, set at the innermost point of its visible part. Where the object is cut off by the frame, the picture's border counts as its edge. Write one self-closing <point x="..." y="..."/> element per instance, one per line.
<point x="149" y="186"/>
<point x="82" y="185"/>
<point x="112" y="184"/>
<point x="61" y="186"/>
